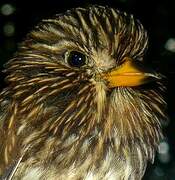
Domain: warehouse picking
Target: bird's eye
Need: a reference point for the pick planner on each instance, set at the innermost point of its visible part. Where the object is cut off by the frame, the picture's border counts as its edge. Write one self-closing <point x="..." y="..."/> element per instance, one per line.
<point x="75" y="59"/>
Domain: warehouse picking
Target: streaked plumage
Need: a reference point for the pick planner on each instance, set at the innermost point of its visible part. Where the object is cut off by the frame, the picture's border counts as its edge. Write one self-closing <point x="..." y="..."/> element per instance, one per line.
<point x="65" y="121"/>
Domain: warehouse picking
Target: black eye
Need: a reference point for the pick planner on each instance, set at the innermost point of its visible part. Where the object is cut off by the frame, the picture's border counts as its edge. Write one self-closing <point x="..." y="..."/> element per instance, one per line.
<point x="76" y="59"/>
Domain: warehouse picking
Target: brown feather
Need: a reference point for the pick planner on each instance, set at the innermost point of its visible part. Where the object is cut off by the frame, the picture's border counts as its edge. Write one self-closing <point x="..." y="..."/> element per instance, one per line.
<point x="75" y="127"/>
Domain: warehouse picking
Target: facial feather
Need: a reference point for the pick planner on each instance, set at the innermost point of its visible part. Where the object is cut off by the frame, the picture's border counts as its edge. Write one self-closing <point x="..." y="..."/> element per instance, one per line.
<point x="75" y="126"/>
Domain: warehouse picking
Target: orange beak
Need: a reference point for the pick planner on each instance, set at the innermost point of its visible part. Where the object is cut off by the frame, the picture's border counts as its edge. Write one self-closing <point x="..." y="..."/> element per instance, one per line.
<point x="128" y="75"/>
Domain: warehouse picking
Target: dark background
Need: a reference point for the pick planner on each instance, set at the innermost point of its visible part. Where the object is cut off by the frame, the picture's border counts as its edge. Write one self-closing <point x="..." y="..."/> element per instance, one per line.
<point x="158" y="17"/>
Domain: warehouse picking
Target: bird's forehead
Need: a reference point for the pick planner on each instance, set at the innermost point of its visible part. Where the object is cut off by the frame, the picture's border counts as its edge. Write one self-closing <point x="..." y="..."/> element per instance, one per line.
<point x="98" y="28"/>
<point x="98" y="31"/>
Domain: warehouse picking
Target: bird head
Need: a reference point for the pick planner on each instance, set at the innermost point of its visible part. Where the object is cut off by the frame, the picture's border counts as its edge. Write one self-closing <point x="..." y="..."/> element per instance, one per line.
<point x="80" y="86"/>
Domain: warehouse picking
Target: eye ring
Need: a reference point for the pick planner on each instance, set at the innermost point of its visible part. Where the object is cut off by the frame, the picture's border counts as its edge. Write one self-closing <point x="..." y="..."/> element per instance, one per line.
<point x="75" y="59"/>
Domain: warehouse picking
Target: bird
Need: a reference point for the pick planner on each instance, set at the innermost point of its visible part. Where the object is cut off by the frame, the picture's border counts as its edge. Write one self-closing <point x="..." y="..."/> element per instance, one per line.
<point x="80" y="102"/>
